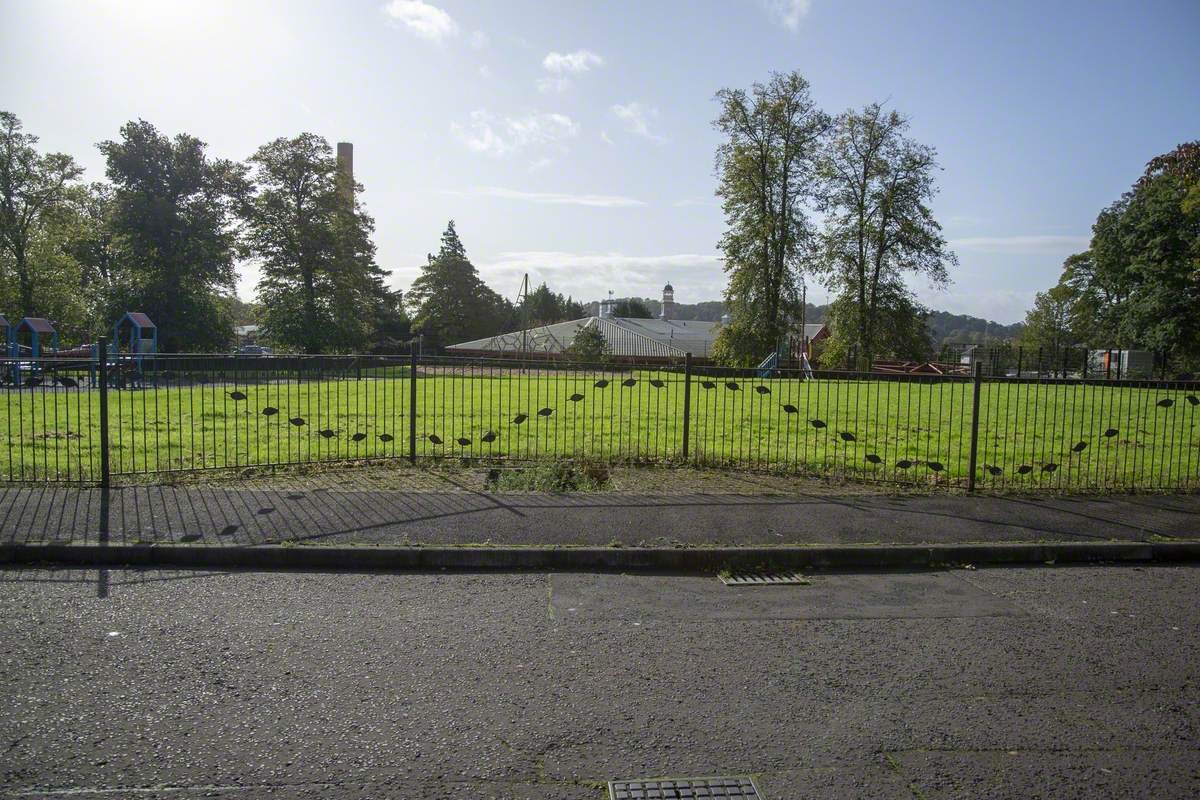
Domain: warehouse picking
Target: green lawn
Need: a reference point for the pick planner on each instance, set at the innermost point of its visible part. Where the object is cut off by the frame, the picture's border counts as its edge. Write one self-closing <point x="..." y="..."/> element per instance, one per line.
<point x="883" y="430"/>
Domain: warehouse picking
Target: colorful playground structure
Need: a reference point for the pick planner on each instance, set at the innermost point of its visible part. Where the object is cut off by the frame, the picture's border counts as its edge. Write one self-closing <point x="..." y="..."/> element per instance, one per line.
<point x="34" y="357"/>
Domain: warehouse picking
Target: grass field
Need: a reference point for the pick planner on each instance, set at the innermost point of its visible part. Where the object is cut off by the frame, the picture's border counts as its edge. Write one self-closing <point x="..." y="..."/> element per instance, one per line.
<point x="1031" y="435"/>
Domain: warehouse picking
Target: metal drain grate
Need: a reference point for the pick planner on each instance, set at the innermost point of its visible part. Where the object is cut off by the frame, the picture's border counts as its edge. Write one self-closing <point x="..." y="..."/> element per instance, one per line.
<point x="763" y="579"/>
<point x="729" y="788"/>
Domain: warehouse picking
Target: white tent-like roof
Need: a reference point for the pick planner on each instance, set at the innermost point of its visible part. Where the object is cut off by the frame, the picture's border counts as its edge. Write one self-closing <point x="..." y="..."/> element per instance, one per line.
<point x="626" y="337"/>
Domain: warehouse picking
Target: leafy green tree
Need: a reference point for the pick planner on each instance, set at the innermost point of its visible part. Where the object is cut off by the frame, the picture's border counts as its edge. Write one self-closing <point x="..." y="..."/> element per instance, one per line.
<point x="1048" y="325"/>
<point x="766" y="169"/>
<point x="877" y="186"/>
<point x="545" y="307"/>
<point x="903" y="331"/>
<point x="173" y="217"/>
<point x="33" y="189"/>
<point x="320" y="289"/>
<point x="588" y="347"/>
<point x="1138" y="283"/>
<point x="632" y="308"/>
<point x="450" y="302"/>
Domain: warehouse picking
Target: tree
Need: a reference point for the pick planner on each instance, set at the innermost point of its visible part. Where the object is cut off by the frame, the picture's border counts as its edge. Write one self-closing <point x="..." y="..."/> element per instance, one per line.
<point x="1138" y="283"/>
<point x="321" y="289"/>
<point x="33" y="188"/>
<point x="631" y="308"/>
<point x="765" y="168"/>
<point x="902" y="327"/>
<point x="173" y="217"/>
<point x="588" y="347"/>
<point x="544" y="307"/>
<point x="1048" y="324"/>
<point x="450" y="303"/>
<point x="877" y="185"/>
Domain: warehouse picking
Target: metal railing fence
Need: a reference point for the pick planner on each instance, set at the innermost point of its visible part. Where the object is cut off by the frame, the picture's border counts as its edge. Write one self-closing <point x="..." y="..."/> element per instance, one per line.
<point x="152" y="415"/>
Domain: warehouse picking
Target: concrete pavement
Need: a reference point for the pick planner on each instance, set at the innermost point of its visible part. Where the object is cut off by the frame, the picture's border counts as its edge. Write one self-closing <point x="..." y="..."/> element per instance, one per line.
<point x="995" y="683"/>
<point x="344" y="516"/>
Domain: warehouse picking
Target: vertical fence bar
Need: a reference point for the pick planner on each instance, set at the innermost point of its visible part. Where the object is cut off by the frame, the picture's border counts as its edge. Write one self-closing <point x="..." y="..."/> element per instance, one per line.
<point x="102" y="371"/>
<point x="412" y="407"/>
<point x="687" y="403"/>
<point x="976" y="386"/>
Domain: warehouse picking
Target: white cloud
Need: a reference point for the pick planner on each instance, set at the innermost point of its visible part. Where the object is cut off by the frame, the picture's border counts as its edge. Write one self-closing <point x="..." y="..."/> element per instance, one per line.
<point x="789" y="12"/>
<point x="479" y="40"/>
<point x="576" y="62"/>
<point x="589" y="276"/>
<point x="485" y="71"/>
<point x="421" y="18"/>
<point x="495" y="136"/>
<point x="1038" y="245"/>
<point x="604" y="137"/>
<point x="552" y="198"/>
<point x="637" y="118"/>
<point x="553" y="84"/>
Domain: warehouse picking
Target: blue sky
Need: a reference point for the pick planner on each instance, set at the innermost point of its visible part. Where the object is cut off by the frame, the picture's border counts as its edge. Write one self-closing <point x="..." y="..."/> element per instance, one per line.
<point x="573" y="140"/>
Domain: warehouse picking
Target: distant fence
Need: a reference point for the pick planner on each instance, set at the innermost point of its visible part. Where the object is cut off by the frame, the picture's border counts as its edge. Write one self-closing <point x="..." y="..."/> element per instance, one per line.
<point x="124" y="416"/>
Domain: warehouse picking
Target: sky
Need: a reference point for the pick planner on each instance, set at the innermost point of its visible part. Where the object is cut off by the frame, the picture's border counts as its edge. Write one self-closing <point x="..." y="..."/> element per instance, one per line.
<point x="574" y="140"/>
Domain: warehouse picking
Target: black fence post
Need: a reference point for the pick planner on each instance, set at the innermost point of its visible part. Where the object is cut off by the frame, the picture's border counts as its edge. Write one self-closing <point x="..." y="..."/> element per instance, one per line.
<point x="102" y="372"/>
<point x="687" y="403"/>
<point x="412" y="408"/>
<point x="977" y="385"/>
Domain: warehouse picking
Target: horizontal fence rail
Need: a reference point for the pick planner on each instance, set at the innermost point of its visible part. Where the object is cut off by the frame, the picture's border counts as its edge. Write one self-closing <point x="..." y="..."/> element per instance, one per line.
<point x="86" y="421"/>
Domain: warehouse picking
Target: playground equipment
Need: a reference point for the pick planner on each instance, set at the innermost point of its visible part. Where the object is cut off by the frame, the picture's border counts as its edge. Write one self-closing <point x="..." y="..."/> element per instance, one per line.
<point x="142" y="335"/>
<point x="39" y="330"/>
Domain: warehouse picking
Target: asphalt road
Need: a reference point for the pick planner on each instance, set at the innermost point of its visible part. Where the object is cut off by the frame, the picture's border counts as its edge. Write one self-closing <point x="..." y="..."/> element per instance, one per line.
<point x="234" y="516"/>
<point x="1022" y="683"/>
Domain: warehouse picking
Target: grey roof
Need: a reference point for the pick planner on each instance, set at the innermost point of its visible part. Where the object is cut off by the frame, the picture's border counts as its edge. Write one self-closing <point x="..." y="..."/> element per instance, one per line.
<point x="36" y="324"/>
<point x="626" y="337"/>
<point x="812" y="329"/>
<point x="138" y="319"/>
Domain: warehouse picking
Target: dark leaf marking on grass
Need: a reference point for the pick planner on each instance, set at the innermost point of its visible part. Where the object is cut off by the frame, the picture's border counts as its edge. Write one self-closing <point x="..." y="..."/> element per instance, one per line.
<point x="327" y="433"/>
<point x="358" y="437"/>
<point x="433" y="437"/>
<point x="847" y="436"/>
<point x="903" y="463"/>
<point x="656" y="383"/>
<point x="1166" y="402"/>
<point x="386" y="437"/>
<point x="488" y="437"/>
<point x="1111" y="432"/>
<point x="575" y="398"/>
<point x="1079" y="447"/>
<point x="629" y="382"/>
<point x="545" y="412"/>
<point x="708" y="384"/>
<point x="874" y="459"/>
<point x="235" y="395"/>
<point x="1024" y="469"/>
<point x="762" y="389"/>
<point x="936" y="466"/>
<point x="297" y="421"/>
<point x="789" y="408"/>
<point x="600" y="384"/>
<point x="817" y="423"/>
<point x="732" y="386"/>
<point x="519" y="418"/>
<point x="463" y="441"/>
<point x="993" y="469"/>
<point x="270" y="411"/>
<point x="1191" y="398"/>
<point x="1049" y="467"/>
